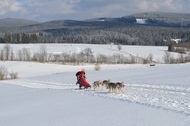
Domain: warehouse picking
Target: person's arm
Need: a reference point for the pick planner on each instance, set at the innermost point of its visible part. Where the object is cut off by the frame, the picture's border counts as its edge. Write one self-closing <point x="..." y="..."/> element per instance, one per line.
<point x="77" y="74"/>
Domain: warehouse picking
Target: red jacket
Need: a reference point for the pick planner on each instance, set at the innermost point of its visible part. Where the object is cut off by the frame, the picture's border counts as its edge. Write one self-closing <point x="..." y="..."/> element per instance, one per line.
<point x="81" y="76"/>
<point x="81" y="73"/>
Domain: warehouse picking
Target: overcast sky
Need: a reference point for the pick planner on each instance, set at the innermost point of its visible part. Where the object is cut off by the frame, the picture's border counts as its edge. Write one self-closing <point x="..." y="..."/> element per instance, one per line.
<point x="47" y="10"/>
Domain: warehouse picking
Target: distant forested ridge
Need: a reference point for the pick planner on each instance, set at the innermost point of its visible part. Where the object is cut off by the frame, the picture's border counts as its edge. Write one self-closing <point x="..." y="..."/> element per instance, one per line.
<point x="153" y="28"/>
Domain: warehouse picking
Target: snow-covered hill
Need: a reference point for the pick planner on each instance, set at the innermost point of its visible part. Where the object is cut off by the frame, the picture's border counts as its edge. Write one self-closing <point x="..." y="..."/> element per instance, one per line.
<point x="47" y="94"/>
<point x="156" y="96"/>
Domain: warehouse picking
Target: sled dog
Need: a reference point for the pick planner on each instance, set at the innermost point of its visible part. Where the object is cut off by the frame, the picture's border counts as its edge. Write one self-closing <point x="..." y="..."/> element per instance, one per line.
<point x="105" y="83"/>
<point x="96" y="84"/>
<point x="120" y="86"/>
<point x="116" y="87"/>
<point x="111" y="87"/>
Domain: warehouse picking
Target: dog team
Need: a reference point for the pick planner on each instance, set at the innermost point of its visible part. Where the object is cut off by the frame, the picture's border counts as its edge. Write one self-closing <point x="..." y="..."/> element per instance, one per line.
<point x="117" y="87"/>
<point x="112" y="87"/>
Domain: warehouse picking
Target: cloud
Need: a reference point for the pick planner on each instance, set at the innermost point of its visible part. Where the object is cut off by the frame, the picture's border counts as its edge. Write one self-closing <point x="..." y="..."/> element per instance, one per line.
<point x="107" y="10"/>
<point x="48" y="9"/>
<point x="145" y="5"/>
<point x="173" y="5"/>
<point x="161" y="5"/>
<point x="45" y="10"/>
<point x="52" y="7"/>
<point x="7" y="6"/>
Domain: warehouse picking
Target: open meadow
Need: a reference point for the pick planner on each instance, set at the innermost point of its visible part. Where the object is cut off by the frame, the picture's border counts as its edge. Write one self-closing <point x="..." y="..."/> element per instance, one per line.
<point x="46" y="94"/>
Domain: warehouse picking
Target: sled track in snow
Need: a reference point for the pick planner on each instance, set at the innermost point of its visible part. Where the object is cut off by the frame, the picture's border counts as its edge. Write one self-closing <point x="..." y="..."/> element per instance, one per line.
<point x="169" y="98"/>
<point x="40" y="84"/>
<point x="166" y="97"/>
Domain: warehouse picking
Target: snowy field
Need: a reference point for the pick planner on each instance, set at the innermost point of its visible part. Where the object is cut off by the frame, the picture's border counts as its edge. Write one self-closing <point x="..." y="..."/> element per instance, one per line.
<point x="46" y="94"/>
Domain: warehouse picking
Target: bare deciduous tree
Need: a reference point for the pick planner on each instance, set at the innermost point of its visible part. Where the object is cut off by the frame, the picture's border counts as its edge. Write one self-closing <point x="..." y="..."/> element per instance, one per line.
<point x="149" y="59"/>
<point x="180" y="58"/>
<point x="57" y="57"/>
<point x="19" y="55"/>
<point x="65" y="57"/>
<point x="50" y="57"/>
<point x="101" y="58"/>
<point x="3" y="73"/>
<point x="2" y="55"/>
<point x="26" y="54"/>
<point x="88" y="54"/>
<point x="43" y="53"/>
<point x="119" y="47"/>
<point x="168" y="58"/>
<point x="12" y="55"/>
<point x="35" y="57"/>
<point x="7" y="51"/>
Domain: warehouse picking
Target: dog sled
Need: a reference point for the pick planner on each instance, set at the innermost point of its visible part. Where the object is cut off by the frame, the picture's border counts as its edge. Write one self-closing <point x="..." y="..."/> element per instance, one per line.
<point x="81" y="80"/>
<point x="83" y="83"/>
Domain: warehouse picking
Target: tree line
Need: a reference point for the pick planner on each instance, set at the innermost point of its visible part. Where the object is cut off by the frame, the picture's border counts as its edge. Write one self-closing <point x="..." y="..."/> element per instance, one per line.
<point x="126" y="34"/>
<point x="85" y="56"/>
<point x="19" y="38"/>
